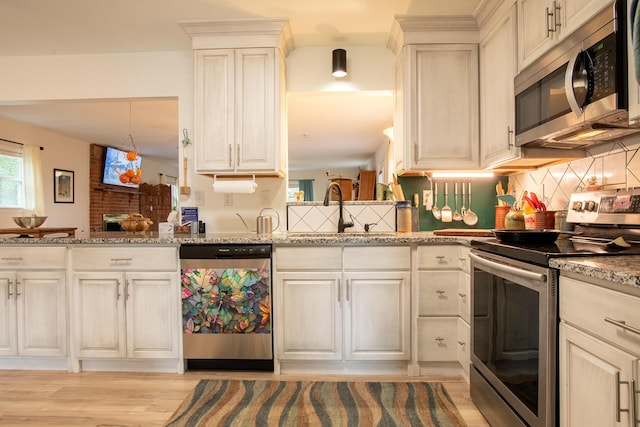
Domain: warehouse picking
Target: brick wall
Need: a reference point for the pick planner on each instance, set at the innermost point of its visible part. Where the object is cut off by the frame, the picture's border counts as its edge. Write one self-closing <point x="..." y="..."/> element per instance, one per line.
<point x="105" y="198"/>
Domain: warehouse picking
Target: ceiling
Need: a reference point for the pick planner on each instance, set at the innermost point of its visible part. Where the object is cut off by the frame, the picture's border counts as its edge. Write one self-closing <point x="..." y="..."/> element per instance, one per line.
<point x="45" y="27"/>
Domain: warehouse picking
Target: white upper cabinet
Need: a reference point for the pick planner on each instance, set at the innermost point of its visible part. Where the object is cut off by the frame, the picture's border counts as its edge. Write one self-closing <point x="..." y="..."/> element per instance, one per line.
<point x="543" y="23"/>
<point x="498" y="67"/>
<point x="239" y="96"/>
<point x="437" y="106"/>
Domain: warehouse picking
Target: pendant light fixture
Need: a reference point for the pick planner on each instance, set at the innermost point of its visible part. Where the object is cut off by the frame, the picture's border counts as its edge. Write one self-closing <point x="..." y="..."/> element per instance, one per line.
<point x="339" y="66"/>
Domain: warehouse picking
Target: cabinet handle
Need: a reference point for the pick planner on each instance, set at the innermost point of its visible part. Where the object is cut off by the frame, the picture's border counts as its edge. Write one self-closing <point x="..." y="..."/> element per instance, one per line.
<point x="348" y="289"/>
<point x="622" y="324"/>
<point x="12" y="259"/>
<point x="546" y="17"/>
<point x="18" y="288"/>
<point x="121" y="260"/>
<point x="440" y="293"/>
<point x="462" y="295"/>
<point x="118" y="294"/>
<point x="9" y="293"/>
<point x="439" y="339"/>
<point x="415" y="151"/>
<point x="230" y="158"/>
<point x="440" y="259"/>
<point x="509" y="135"/>
<point x="339" y="289"/>
<point x="556" y="15"/>
<point x="634" y="409"/>
<point x="618" y="408"/>
<point x="462" y="343"/>
<point x="238" y="155"/>
<point x="126" y="289"/>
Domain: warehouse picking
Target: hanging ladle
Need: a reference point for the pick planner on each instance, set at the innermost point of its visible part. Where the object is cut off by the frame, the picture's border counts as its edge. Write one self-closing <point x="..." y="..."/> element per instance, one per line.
<point x="470" y="217"/>
<point x="435" y="210"/>
<point x="456" y="214"/>
<point x="446" y="210"/>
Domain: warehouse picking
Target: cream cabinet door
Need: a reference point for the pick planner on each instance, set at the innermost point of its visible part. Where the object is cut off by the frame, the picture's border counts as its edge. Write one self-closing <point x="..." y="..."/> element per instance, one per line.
<point x="498" y="67"/>
<point x="99" y="323"/>
<point x="42" y="313"/>
<point x="595" y="381"/>
<point x="309" y="319"/>
<point x="8" y="327"/>
<point x="152" y="324"/>
<point x="236" y="110"/>
<point x="574" y="13"/>
<point x="442" y="118"/>
<point x="537" y="25"/>
<point x="377" y="310"/>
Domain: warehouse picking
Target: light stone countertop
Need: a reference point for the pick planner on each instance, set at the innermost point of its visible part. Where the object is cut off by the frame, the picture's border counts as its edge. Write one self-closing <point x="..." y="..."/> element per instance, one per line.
<point x="623" y="270"/>
<point x="278" y="238"/>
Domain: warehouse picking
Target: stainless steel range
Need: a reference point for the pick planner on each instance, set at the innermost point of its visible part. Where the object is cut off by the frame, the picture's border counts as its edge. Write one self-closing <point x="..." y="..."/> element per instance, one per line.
<point x="514" y="308"/>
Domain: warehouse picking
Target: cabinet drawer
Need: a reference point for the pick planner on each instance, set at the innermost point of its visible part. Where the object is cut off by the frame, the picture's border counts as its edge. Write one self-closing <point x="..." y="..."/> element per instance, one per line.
<point x="33" y="257"/>
<point x="440" y="257"/>
<point x="308" y="258"/>
<point x="587" y="306"/>
<point x="437" y="339"/>
<point x="125" y="258"/>
<point x="377" y="257"/>
<point x="438" y="293"/>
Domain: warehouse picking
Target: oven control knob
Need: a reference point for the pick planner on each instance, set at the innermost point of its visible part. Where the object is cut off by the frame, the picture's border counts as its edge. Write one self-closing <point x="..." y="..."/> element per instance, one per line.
<point x="577" y="206"/>
<point x="591" y="206"/>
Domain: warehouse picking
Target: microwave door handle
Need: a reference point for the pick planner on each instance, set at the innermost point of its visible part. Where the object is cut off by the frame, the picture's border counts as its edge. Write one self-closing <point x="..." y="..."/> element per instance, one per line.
<point x="568" y="85"/>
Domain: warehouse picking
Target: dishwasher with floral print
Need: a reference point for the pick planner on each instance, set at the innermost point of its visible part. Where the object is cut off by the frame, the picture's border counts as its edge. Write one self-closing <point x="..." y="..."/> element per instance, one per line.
<point x="226" y="306"/>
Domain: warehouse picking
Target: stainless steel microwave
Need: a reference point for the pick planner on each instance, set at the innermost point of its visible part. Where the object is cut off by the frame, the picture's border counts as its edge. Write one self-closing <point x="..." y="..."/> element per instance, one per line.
<point x="577" y="93"/>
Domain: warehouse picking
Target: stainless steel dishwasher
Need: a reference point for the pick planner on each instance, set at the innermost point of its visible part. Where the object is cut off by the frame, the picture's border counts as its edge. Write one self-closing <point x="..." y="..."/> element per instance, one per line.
<point x="226" y="306"/>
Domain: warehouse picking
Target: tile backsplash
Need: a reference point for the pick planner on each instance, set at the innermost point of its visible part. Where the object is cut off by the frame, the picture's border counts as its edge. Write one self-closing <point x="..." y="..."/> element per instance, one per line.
<point x="306" y="217"/>
<point x="613" y="165"/>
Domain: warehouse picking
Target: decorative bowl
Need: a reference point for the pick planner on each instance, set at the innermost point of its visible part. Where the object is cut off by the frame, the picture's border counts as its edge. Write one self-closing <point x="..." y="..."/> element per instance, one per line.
<point x="136" y="223"/>
<point x="29" y="221"/>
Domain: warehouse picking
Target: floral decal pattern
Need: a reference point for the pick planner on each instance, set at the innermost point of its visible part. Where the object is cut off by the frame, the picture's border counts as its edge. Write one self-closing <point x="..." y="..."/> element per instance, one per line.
<point x="226" y="301"/>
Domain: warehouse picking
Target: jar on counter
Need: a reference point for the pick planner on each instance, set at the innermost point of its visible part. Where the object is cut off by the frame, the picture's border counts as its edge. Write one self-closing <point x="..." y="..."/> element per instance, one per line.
<point x="403" y="217"/>
<point x="514" y="220"/>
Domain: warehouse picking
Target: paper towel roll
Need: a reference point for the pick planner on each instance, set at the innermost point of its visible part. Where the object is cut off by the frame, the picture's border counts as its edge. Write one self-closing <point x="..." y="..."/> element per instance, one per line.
<point x="234" y="186"/>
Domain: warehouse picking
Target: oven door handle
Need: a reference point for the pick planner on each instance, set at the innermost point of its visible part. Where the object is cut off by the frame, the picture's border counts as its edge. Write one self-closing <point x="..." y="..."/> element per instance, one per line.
<point x="508" y="269"/>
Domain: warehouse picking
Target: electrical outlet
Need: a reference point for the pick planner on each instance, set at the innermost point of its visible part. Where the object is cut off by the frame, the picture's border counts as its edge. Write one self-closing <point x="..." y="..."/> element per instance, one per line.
<point x="427" y="199"/>
<point x="228" y="199"/>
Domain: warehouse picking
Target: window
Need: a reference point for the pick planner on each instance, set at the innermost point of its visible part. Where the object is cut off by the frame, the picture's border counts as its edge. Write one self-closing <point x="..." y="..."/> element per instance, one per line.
<point x="11" y="175"/>
<point x="294" y="186"/>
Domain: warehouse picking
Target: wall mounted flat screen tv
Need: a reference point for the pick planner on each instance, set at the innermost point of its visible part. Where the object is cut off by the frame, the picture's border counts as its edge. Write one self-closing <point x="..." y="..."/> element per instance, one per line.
<point x="118" y="170"/>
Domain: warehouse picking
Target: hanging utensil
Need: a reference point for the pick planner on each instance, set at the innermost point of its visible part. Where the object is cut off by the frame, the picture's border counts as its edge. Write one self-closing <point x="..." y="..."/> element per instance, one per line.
<point x="456" y="215"/>
<point x="446" y="210"/>
<point x="185" y="190"/>
<point x="470" y="218"/>
<point x="435" y="210"/>
<point x="463" y="209"/>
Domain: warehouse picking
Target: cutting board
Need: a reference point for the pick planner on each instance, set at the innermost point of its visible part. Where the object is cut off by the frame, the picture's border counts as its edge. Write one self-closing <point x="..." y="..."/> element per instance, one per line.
<point x="463" y="232"/>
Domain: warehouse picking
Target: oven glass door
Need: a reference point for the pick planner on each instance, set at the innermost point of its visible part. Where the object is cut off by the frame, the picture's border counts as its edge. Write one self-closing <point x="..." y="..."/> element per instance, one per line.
<point x="513" y="333"/>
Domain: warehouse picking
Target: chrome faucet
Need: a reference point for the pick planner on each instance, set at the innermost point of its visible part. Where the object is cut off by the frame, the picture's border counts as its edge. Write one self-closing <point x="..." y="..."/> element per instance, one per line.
<point x="341" y="224"/>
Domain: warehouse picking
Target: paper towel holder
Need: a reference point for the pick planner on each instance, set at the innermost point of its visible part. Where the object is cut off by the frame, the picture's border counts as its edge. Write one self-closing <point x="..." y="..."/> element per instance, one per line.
<point x="235" y="185"/>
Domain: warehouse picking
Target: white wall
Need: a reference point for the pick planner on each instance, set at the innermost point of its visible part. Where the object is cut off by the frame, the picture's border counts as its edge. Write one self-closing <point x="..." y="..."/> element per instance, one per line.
<point x="60" y="152"/>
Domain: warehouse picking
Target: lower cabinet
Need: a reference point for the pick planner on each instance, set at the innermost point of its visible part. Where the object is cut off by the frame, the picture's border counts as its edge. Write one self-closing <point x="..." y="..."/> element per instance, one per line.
<point x="330" y="309"/>
<point x="33" y="312"/>
<point x="126" y="303"/>
<point x="125" y="314"/>
<point x="599" y="355"/>
<point x="33" y="302"/>
<point x="442" y="307"/>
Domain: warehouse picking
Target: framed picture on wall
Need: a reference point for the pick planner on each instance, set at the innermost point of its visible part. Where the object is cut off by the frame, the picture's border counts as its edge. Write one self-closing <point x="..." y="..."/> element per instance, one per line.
<point x="63" y="186"/>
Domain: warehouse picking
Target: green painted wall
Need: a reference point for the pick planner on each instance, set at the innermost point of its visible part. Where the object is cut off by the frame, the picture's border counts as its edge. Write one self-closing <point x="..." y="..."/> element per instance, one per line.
<point x="483" y="200"/>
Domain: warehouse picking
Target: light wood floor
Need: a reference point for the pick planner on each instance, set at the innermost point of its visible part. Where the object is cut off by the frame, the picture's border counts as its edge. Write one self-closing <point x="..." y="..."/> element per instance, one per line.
<point x="48" y="398"/>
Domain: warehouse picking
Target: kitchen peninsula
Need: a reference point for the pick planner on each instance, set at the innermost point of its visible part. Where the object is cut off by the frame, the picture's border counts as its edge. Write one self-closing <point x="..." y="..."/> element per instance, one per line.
<point x="81" y="273"/>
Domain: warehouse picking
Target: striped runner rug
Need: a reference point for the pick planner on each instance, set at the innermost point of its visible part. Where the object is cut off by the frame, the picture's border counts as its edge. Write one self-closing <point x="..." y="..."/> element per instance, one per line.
<point x="316" y="403"/>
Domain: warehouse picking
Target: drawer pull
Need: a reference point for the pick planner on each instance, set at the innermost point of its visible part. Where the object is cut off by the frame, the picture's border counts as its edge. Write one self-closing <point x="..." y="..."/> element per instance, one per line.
<point x="440" y="293"/>
<point x="439" y="339"/>
<point x="462" y="295"/>
<point x="462" y="343"/>
<point x="441" y="259"/>
<point x="121" y="260"/>
<point x="12" y="259"/>
<point x="622" y="324"/>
